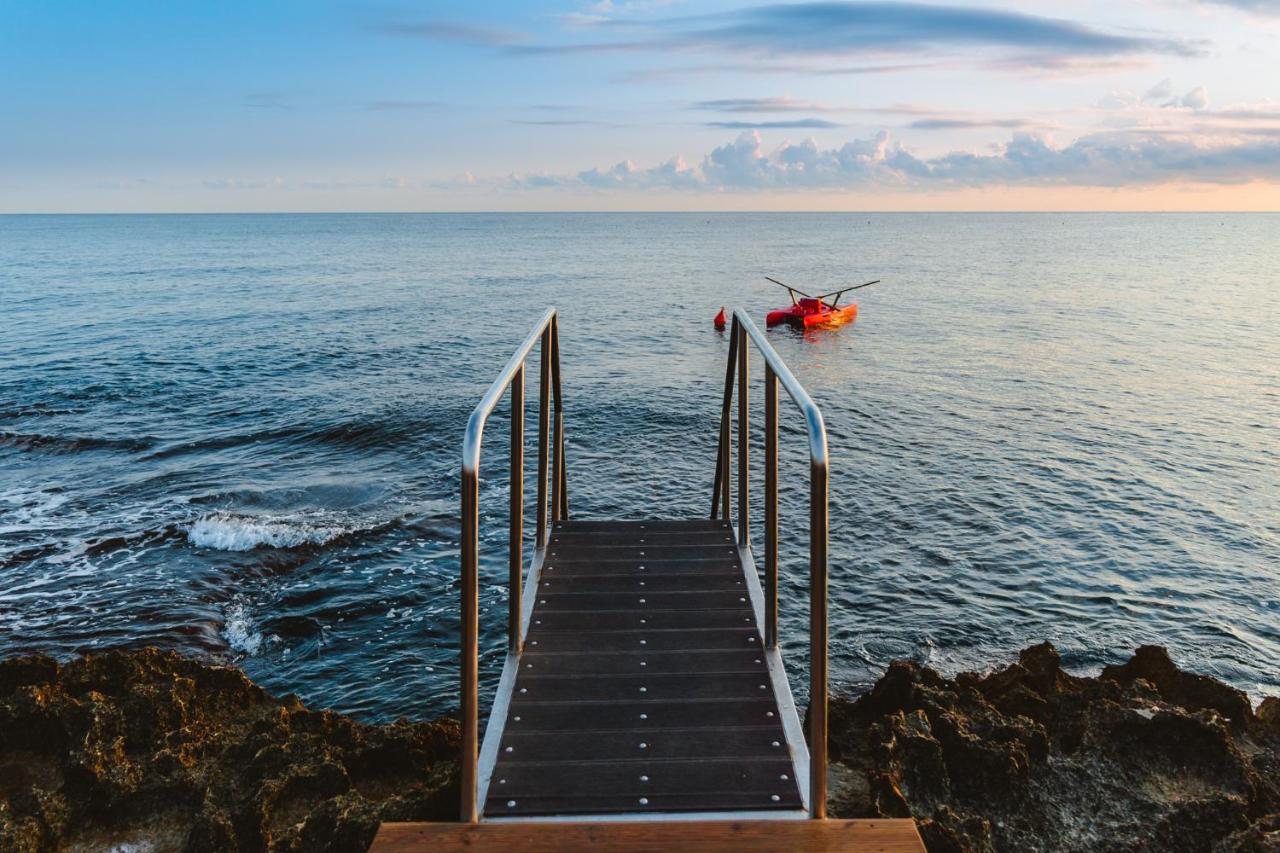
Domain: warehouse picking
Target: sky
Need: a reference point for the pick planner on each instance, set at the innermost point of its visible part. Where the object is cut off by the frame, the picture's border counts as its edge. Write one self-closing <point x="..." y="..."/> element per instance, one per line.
<point x="639" y="105"/>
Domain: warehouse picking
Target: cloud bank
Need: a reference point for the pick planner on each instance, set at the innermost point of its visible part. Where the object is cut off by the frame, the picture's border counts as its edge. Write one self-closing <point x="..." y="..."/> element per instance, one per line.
<point x="837" y="30"/>
<point x="1111" y="159"/>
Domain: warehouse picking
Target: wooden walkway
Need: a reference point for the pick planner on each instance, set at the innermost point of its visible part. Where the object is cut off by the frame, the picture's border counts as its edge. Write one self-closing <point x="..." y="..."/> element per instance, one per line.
<point x="643" y="686"/>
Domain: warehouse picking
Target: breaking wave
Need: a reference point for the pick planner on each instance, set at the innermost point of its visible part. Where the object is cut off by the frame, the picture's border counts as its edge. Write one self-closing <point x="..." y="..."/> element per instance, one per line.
<point x="239" y="629"/>
<point x="227" y="532"/>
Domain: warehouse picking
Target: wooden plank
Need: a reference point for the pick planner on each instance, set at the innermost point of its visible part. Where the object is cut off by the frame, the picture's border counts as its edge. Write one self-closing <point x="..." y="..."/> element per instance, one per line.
<point x="621" y="564"/>
<point x="668" y="742"/>
<point x="656" y="663"/>
<point x="657" y="641"/>
<point x="633" y="780"/>
<point x="577" y="525"/>
<point x="655" y="581"/>
<point x="641" y="716"/>
<point x="631" y="687"/>
<point x="757" y="836"/>
<point x="657" y="620"/>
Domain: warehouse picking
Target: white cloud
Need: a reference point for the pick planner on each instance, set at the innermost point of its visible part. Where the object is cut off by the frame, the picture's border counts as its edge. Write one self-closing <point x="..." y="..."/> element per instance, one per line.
<point x="1110" y="159"/>
<point x="1160" y="91"/>
<point x="1196" y="99"/>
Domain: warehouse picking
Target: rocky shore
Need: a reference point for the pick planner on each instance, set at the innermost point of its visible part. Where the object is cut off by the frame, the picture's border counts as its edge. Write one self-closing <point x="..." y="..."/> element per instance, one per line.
<point x="146" y="750"/>
<point x="1144" y="757"/>
<point x="149" y="751"/>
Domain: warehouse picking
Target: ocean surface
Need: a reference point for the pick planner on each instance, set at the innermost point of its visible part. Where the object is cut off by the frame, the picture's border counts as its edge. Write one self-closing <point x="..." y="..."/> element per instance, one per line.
<point x="239" y="436"/>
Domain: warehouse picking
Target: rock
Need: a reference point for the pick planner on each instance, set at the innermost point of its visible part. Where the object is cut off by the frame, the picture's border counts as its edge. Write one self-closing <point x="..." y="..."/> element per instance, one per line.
<point x="1143" y="758"/>
<point x="1187" y="690"/>
<point x="150" y="748"/>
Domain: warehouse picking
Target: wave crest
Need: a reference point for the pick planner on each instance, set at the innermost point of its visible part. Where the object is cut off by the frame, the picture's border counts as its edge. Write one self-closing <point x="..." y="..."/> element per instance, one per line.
<point x="239" y="629"/>
<point x="228" y="532"/>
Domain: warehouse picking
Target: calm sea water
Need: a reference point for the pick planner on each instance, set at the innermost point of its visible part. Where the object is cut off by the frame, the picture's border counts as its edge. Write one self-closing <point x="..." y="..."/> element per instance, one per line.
<point x="238" y="436"/>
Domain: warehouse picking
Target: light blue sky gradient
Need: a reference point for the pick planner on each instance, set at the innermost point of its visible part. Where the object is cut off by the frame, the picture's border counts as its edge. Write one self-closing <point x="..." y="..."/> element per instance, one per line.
<point x="628" y="105"/>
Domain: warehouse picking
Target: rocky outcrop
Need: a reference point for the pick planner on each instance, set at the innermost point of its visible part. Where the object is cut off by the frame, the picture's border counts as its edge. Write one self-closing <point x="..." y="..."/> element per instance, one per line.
<point x="148" y="750"/>
<point x="151" y="749"/>
<point x="1144" y="757"/>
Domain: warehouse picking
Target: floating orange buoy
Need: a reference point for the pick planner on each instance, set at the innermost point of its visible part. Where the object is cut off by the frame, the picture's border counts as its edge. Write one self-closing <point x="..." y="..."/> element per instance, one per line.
<point x="720" y="319"/>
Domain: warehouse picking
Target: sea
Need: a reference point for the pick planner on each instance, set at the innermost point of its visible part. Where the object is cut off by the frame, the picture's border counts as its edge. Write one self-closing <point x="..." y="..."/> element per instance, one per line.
<point x="239" y="436"/>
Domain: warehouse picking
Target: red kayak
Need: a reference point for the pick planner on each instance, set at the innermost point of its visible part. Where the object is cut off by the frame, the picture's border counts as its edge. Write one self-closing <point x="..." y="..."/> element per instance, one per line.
<point x="808" y="311"/>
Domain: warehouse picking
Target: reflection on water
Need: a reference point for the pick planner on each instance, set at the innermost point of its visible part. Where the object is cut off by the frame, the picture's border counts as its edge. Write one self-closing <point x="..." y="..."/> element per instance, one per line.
<point x="239" y="436"/>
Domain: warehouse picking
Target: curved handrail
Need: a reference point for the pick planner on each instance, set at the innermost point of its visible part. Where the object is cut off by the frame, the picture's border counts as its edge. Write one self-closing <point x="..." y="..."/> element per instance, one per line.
<point x="814" y="423"/>
<point x="547" y="332"/>
<point x="777" y="372"/>
<point x="479" y="417"/>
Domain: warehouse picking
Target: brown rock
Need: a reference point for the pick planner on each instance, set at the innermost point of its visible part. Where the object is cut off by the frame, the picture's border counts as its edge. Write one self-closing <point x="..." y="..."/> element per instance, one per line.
<point x="1187" y="690"/>
<point x="1146" y="757"/>
<point x="147" y="746"/>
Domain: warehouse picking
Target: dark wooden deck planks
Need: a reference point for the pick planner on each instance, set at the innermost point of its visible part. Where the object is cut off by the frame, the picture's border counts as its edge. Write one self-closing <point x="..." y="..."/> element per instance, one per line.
<point x="642" y="686"/>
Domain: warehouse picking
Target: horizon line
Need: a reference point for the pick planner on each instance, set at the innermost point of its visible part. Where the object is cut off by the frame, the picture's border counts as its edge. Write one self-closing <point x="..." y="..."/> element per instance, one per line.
<point x="607" y="212"/>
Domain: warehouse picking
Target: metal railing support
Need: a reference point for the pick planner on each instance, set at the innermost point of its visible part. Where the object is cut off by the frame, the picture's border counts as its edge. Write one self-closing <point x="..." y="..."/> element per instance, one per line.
<point x="544" y="420"/>
<point x="515" y="558"/>
<point x="512" y="376"/>
<point x="770" y="507"/>
<point x="720" y="493"/>
<point x="744" y="443"/>
<point x="818" y="639"/>
<point x="777" y="373"/>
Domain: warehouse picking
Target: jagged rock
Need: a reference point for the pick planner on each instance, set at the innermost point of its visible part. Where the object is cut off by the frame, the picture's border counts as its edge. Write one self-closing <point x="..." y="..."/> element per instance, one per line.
<point x="1030" y="758"/>
<point x="147" y="746"/>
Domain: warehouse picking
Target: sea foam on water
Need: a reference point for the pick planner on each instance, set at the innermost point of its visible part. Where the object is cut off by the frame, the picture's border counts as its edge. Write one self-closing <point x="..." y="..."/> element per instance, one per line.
<point x="227" y="532"/>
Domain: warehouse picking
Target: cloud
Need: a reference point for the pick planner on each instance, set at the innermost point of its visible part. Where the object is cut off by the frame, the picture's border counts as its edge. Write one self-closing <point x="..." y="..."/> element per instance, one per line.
<point x="1158" y="96"/>
<point x="1112" y="159"/>
<point x="451" y="31"/>
<point x="1259" y="7"/>
<point x="1160" y="91"/>
<point x="560" y="122"/>
<point x="834" y="30"/>
<point x="967" y="124"/>
<point x="1196" y="99"/>
<point x="783" y="104"/>
<point x="794" y="124"/>
<point x="684" y="72"/>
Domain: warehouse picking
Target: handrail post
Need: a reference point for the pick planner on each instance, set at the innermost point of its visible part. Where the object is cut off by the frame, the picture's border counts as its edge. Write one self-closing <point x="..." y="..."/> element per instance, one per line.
<point x="544" y="420"/>
<point x="512" y="377"/>
<point x="770" y="507"/>
<point x="818" y="542"/>
<point x="722" y="466"/>
<point x="744" y="444"/>
<point x="559" y="500"/>
<point x="720" y="491"/>
<point x="470" y="652"/>
<point x="515" y="557"/>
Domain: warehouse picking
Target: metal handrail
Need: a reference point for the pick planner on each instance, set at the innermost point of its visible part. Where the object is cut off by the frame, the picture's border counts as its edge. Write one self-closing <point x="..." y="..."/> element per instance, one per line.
<point x="819" y="462"/>
<point x="547" y="332"/>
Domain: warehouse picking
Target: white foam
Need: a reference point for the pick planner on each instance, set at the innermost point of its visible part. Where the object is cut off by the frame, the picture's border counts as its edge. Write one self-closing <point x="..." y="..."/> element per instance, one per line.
<point x="226" y="532"/>
<point x="239" y="630"/>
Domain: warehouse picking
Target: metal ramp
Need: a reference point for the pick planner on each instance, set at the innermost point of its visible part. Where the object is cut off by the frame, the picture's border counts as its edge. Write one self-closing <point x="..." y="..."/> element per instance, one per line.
<point x="643" y="686"/>
<point x="643" y="681"/>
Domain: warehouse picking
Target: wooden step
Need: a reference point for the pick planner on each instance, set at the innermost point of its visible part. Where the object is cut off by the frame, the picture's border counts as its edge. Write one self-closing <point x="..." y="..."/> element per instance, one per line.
<point x="742" y="836"/>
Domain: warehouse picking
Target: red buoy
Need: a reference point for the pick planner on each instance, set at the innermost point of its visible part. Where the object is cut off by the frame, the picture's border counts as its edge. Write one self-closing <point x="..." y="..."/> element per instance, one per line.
<point x="720" y="320"/>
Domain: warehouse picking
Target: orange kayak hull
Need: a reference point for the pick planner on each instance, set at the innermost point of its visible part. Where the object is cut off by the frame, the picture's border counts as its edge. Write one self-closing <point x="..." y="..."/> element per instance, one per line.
<point x="810" y="314"/>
